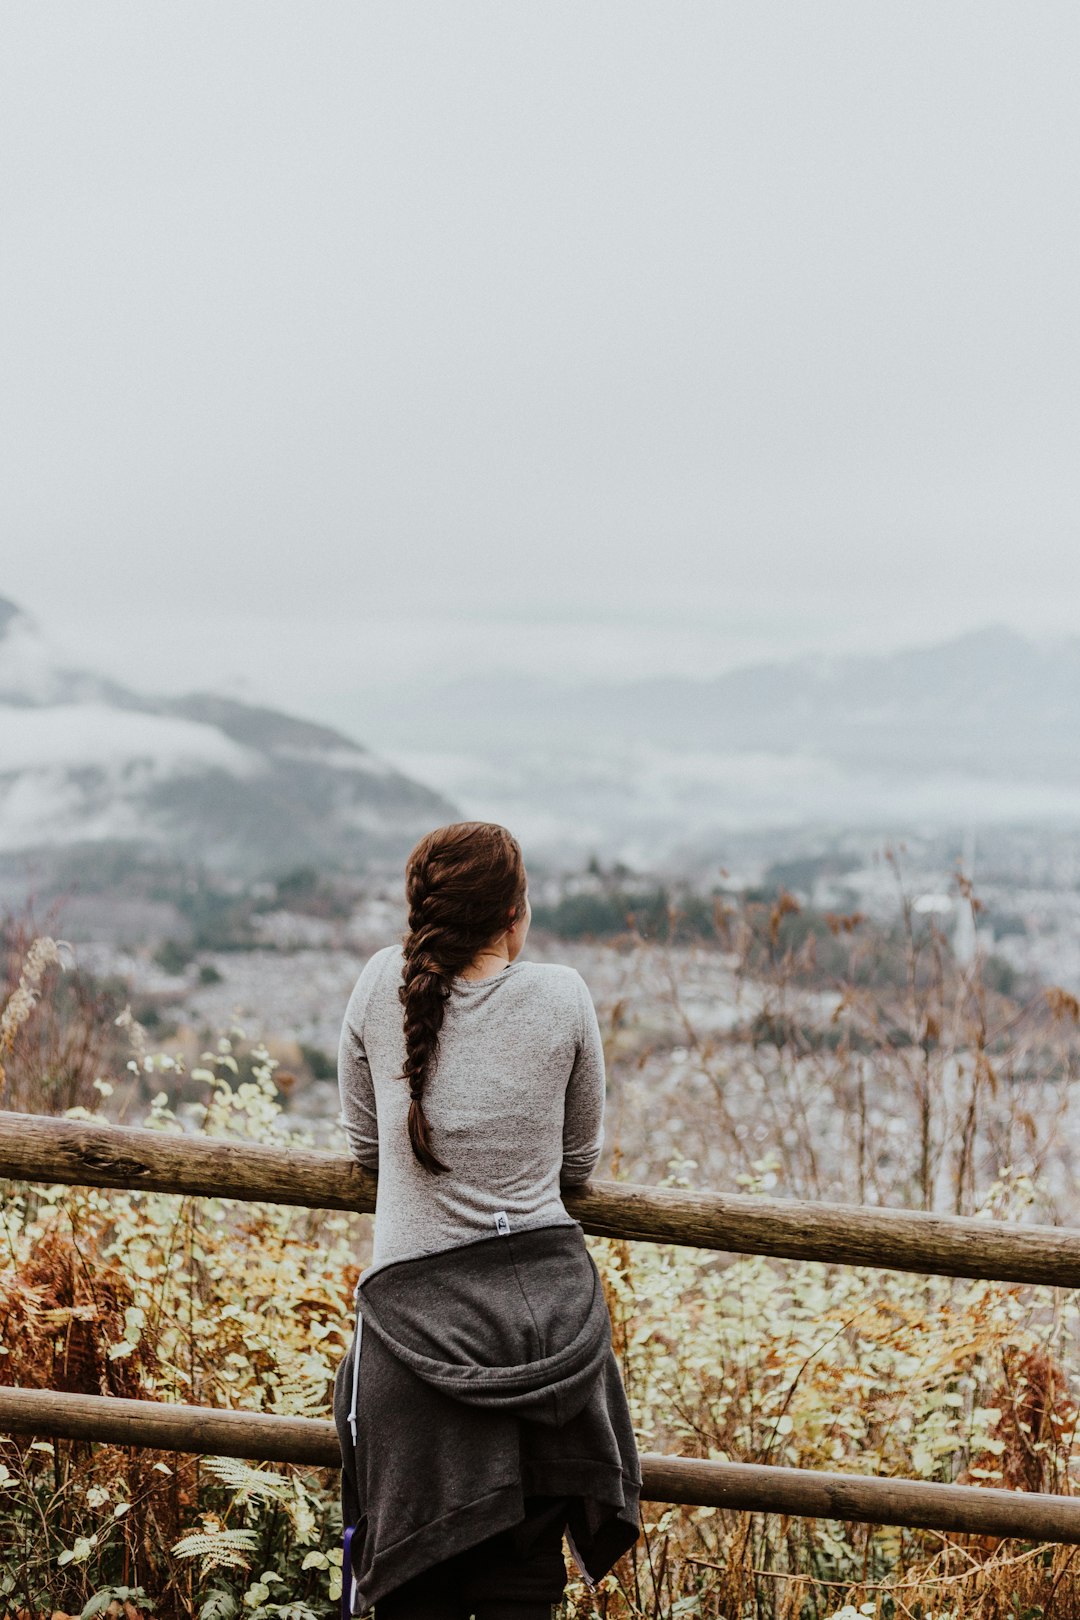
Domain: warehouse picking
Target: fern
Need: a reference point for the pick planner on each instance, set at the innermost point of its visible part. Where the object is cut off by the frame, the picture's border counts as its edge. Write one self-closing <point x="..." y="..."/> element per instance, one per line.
<point x="227" y="1547"/>
<point x="247" y="1481"/>
<point x="298" y="1393"/>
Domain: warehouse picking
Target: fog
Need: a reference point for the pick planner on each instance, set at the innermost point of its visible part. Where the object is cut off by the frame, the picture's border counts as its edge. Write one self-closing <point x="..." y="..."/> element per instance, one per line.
<point x="354" y="346"/>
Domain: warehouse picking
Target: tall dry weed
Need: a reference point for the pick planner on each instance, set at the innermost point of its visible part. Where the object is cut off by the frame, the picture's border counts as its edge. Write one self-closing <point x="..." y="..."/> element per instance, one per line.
<point x="840" y="1064"/>
<point x="56" y="1030"/>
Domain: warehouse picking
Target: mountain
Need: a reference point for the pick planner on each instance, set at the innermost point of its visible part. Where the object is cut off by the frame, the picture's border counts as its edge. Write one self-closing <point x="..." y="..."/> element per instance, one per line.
<point x="985" y="701"/>
<point x="86" y="761"/>
<point x="977" y="729"/>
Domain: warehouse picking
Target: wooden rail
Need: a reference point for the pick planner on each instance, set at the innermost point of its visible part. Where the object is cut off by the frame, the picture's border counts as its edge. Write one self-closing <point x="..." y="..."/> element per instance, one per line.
<point x="87" y="1153"/>
<point x="35" y="1147"/>
<point x="970" y="1509"/>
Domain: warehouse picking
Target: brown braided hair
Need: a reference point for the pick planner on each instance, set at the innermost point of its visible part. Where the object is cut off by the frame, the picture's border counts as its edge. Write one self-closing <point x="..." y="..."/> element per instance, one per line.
<point x="465" y="884"/>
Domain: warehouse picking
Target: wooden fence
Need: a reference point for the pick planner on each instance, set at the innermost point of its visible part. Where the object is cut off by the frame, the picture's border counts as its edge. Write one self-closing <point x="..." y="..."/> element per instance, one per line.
<point x="86" y="1153"/>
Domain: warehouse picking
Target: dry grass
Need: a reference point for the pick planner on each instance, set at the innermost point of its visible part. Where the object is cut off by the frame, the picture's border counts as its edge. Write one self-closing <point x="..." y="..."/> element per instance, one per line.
<point x="249" y="1306"/>
<point x="57" y="1030"/>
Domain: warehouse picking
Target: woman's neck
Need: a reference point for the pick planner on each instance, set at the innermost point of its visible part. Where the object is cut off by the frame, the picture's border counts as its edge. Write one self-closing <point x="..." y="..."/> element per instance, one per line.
<point x="486" y="964"/>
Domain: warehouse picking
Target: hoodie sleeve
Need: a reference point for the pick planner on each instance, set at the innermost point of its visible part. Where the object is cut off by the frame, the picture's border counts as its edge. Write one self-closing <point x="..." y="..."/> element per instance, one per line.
<point x="355" y="1085"/>
<point x="583" y="1116"/>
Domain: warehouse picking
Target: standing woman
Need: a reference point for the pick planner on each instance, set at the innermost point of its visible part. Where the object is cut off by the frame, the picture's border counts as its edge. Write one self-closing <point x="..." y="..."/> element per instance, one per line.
<point x="480" y="1409"/>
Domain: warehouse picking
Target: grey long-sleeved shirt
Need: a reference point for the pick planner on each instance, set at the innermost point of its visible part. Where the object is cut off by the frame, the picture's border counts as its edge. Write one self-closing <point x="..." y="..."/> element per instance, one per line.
<point x="515" y="1103"/>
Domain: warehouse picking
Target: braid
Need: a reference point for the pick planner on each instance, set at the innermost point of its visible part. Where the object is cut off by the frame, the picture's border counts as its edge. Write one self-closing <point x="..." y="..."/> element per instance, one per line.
<point x="461" y="883"/>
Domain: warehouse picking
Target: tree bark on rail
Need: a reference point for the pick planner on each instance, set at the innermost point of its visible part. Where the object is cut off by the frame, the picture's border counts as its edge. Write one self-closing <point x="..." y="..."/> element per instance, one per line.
<point x="36" y="1147"/>
<point x="745" y="1487"/>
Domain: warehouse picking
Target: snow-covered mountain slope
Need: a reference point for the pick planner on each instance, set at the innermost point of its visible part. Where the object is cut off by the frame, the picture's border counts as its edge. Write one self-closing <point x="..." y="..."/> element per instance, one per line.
<point x="251" y="790"/>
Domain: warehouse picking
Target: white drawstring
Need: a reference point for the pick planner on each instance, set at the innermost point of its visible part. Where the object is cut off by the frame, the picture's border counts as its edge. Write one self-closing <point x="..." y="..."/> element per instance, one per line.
<point x="350" y="1600"/>
<point x="356" y="1364"/>
<point x="576" y="1556"/>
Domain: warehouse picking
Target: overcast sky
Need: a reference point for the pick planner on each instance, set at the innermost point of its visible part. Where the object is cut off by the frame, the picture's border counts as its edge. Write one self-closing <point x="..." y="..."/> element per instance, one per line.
<point x="530" y="334"/>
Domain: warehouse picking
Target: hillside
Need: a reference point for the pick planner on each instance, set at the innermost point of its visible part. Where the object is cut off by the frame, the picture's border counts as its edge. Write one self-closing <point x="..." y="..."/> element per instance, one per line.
<point x="87" y="761"/>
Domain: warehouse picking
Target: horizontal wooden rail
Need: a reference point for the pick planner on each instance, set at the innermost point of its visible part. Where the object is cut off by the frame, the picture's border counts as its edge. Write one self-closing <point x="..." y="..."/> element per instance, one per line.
<point x="745" y="1487"/>
<point x="36" y="1147"/>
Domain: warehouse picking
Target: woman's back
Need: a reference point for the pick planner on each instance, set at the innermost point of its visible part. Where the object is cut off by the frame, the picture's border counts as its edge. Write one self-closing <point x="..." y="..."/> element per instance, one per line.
<point x="487" y="1402"/>
<point x="515" y="1103"/>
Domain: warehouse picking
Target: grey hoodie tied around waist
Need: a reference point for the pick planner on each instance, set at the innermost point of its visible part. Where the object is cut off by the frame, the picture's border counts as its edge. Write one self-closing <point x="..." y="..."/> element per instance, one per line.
<point x="486" y="1375"/>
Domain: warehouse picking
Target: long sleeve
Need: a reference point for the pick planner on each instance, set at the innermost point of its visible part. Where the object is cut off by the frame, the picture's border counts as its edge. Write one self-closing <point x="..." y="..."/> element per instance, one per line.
<point x="358" y="1116"/>
<point x="583" y="1117"/>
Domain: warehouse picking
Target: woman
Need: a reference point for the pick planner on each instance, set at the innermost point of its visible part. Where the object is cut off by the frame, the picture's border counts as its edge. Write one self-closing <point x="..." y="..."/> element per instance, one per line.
<point x="480" y="1408"/>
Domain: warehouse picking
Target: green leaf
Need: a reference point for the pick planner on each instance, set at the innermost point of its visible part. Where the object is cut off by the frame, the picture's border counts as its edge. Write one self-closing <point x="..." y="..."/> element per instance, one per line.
<point x="219" y="1605"/>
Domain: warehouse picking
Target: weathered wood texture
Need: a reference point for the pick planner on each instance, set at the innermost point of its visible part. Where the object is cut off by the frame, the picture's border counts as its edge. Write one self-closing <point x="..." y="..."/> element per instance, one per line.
<point x="162" y="1426"/>
<point x="804" y="1493"/>
<point x="735" y="1486"/>
<point x="39" y="1148"/>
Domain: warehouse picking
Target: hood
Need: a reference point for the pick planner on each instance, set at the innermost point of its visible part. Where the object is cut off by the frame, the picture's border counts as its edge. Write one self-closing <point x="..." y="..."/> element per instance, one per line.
<point x="516" y="1322"/>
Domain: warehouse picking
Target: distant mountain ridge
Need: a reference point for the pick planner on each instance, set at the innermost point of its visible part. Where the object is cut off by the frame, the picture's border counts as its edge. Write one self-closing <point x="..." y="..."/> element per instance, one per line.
<point x="989" y="700"/>
<point x="84" y="759"/>
<point x="981" y="729"/>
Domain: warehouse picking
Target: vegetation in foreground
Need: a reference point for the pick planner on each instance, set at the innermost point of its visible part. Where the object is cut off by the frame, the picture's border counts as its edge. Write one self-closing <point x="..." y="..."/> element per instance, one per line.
<point x="249" y="1306"/>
